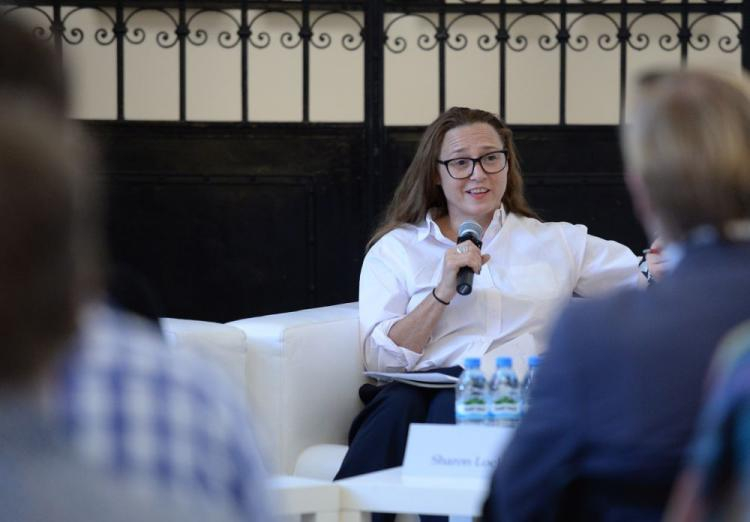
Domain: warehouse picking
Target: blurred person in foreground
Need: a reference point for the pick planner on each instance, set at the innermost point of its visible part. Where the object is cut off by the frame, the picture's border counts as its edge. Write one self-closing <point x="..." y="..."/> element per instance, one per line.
<point x="618" y="393"/>
<point x="715" y="484"/>
<point x="48" y="271"/>
<point x="28" y="65"/>
<point x="159" y="421"/>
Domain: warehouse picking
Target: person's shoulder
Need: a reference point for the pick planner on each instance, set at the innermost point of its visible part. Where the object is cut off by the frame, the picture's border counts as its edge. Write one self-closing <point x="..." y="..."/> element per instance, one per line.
<point x="558" y="233"/>
<point x="397" y="240"/>
<point x="550" y="227"/>
<point x="404" y="233"/>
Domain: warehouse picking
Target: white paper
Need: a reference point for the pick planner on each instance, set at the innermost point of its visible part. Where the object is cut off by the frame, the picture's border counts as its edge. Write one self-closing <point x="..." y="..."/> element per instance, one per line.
<point x="446" y="450"/>
<point x="429" y="380"/>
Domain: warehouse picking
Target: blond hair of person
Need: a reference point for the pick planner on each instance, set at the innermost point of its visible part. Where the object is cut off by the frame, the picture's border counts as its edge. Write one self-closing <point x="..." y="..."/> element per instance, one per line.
<point x="689" y="143"/>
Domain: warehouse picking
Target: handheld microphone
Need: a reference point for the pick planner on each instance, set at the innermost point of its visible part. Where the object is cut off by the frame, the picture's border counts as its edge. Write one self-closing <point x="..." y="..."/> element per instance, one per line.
<point x="472" y="231"/>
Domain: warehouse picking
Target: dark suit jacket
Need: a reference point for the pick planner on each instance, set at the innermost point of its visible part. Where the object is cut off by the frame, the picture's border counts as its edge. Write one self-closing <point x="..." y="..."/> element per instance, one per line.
<point x="617" y="395"/>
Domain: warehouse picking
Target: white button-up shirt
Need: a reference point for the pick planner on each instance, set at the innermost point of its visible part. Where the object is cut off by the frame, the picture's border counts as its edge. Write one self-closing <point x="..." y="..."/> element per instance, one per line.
<point x="534" y="269"/>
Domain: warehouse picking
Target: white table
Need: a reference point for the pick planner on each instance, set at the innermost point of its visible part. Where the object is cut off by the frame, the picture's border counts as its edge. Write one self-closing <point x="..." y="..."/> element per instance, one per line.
<point x="297" y="496"/>
<point x="389" y="491"/>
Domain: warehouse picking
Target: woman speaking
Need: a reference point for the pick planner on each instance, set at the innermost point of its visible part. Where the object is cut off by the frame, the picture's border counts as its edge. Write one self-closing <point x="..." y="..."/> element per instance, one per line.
<point x="412" y="318"/>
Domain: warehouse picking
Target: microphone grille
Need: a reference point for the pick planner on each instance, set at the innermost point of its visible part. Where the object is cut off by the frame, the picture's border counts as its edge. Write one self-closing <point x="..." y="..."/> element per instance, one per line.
<point x="471" y="228"/>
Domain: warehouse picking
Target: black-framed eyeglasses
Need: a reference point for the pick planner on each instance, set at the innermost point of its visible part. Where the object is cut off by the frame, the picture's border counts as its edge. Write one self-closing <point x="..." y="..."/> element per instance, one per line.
<point x="462" y="168"/>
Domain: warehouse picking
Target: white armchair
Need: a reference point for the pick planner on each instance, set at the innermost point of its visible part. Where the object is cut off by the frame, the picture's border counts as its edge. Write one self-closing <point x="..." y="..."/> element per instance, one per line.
<point x="224" y="345"/>
<point x="303" y="370"/>
<point x="300" y="373"/>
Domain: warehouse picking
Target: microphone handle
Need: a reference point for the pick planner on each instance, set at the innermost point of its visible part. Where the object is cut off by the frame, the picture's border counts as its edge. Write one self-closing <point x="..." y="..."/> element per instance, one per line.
<point x="465" y="278"/>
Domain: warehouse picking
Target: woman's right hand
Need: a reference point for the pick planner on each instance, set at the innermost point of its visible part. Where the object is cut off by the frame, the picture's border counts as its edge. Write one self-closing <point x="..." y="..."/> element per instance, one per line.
<point x="463" y="254"/>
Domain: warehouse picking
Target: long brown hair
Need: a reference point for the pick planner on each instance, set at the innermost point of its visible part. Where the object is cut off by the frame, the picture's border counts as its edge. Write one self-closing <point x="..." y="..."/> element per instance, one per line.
<point x="418" y="191"/>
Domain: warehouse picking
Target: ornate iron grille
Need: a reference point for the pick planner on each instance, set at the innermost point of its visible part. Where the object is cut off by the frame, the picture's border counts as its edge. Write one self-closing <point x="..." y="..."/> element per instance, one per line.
<point x="502" y="35"/>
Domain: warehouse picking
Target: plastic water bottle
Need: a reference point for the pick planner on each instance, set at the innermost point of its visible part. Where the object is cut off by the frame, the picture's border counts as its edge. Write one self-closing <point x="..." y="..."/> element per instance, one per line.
<point x="471" y="399"/>
<point x="504" y="395"/>
<point x="528" y="382"/>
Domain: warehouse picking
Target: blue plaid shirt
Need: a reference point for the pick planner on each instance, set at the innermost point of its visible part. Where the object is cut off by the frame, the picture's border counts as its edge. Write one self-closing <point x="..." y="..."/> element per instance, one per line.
<point x="160" y="417"/>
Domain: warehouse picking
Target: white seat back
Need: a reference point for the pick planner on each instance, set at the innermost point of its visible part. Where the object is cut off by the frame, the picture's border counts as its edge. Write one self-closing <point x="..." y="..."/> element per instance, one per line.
<point x="303" y="371"/>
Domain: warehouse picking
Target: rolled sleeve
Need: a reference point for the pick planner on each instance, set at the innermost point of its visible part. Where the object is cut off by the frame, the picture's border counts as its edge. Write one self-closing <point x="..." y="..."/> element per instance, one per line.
<point x="383" y="300"/>
<point x="382" y="354"/>
<point x="604" y="265"/>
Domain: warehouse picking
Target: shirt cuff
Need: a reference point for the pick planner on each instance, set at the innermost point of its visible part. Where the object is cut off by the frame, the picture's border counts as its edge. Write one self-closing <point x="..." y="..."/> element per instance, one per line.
<point x="643" y="267"/>
<point x="384" y="354"/>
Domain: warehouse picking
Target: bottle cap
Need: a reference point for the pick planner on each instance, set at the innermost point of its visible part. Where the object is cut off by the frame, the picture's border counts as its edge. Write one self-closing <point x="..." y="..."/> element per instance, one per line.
<point x="471" y="363"/>
<point x="504" y="362"/>
<point x="534" y="360"/>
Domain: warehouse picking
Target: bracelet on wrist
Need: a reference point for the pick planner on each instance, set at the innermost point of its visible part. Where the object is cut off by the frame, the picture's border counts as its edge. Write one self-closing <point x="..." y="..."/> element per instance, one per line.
<point x="445" y="303"/>
<point x="643" y="267"/>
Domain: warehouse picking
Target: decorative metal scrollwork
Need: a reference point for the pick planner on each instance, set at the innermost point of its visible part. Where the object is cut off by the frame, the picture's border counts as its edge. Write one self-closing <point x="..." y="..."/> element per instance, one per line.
<point x="75" y="36"/>
<point x="665" y="40"/>
<point x="40" y="32"/>
<point x="224" y="38"/>
<point x="263" y="39"/>
<point x="725" y="42"/>
<point x="488" y="43"/>
<point x="104" y="37"/>
<point x="349" y="41"/>
<point x="605" y="40"/>
<point x="163" y="38"/>
<point x="424" y="41"/>
<point x="546" y="42"/>
<point x="354" y="40"/>
<point x="484" y="42"/>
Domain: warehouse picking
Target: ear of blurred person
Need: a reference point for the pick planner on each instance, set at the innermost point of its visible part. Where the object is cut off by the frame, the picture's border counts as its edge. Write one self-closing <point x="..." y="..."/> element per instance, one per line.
<point x="616" y="399"/>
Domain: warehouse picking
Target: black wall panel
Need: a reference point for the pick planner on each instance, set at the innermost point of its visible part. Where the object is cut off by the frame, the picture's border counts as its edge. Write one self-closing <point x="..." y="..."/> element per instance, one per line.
<point x="227" y="222"/>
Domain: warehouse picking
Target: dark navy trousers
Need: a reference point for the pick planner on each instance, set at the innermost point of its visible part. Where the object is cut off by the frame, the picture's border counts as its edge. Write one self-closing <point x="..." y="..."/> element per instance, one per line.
<point x="377" y="438"/>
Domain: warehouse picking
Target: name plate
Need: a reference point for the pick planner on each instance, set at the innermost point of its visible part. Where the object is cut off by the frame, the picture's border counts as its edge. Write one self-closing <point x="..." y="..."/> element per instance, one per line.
<point x="434" y="450"/>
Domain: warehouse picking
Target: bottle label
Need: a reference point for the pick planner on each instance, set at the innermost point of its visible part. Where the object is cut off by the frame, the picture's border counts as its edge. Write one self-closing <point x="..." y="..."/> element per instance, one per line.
<point x="505" y="407"/>
<point x="473" y="409"/>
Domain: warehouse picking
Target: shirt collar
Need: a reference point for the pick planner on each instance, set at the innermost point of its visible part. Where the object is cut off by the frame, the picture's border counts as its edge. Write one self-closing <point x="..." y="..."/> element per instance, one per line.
<point x="431" y="228"/>
<point x="734" y="230"/>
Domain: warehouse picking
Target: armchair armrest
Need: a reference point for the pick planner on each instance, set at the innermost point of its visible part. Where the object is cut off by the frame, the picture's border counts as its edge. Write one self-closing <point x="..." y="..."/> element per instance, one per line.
<point x="303" y="370"/>
<point x="225" y="345"/>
